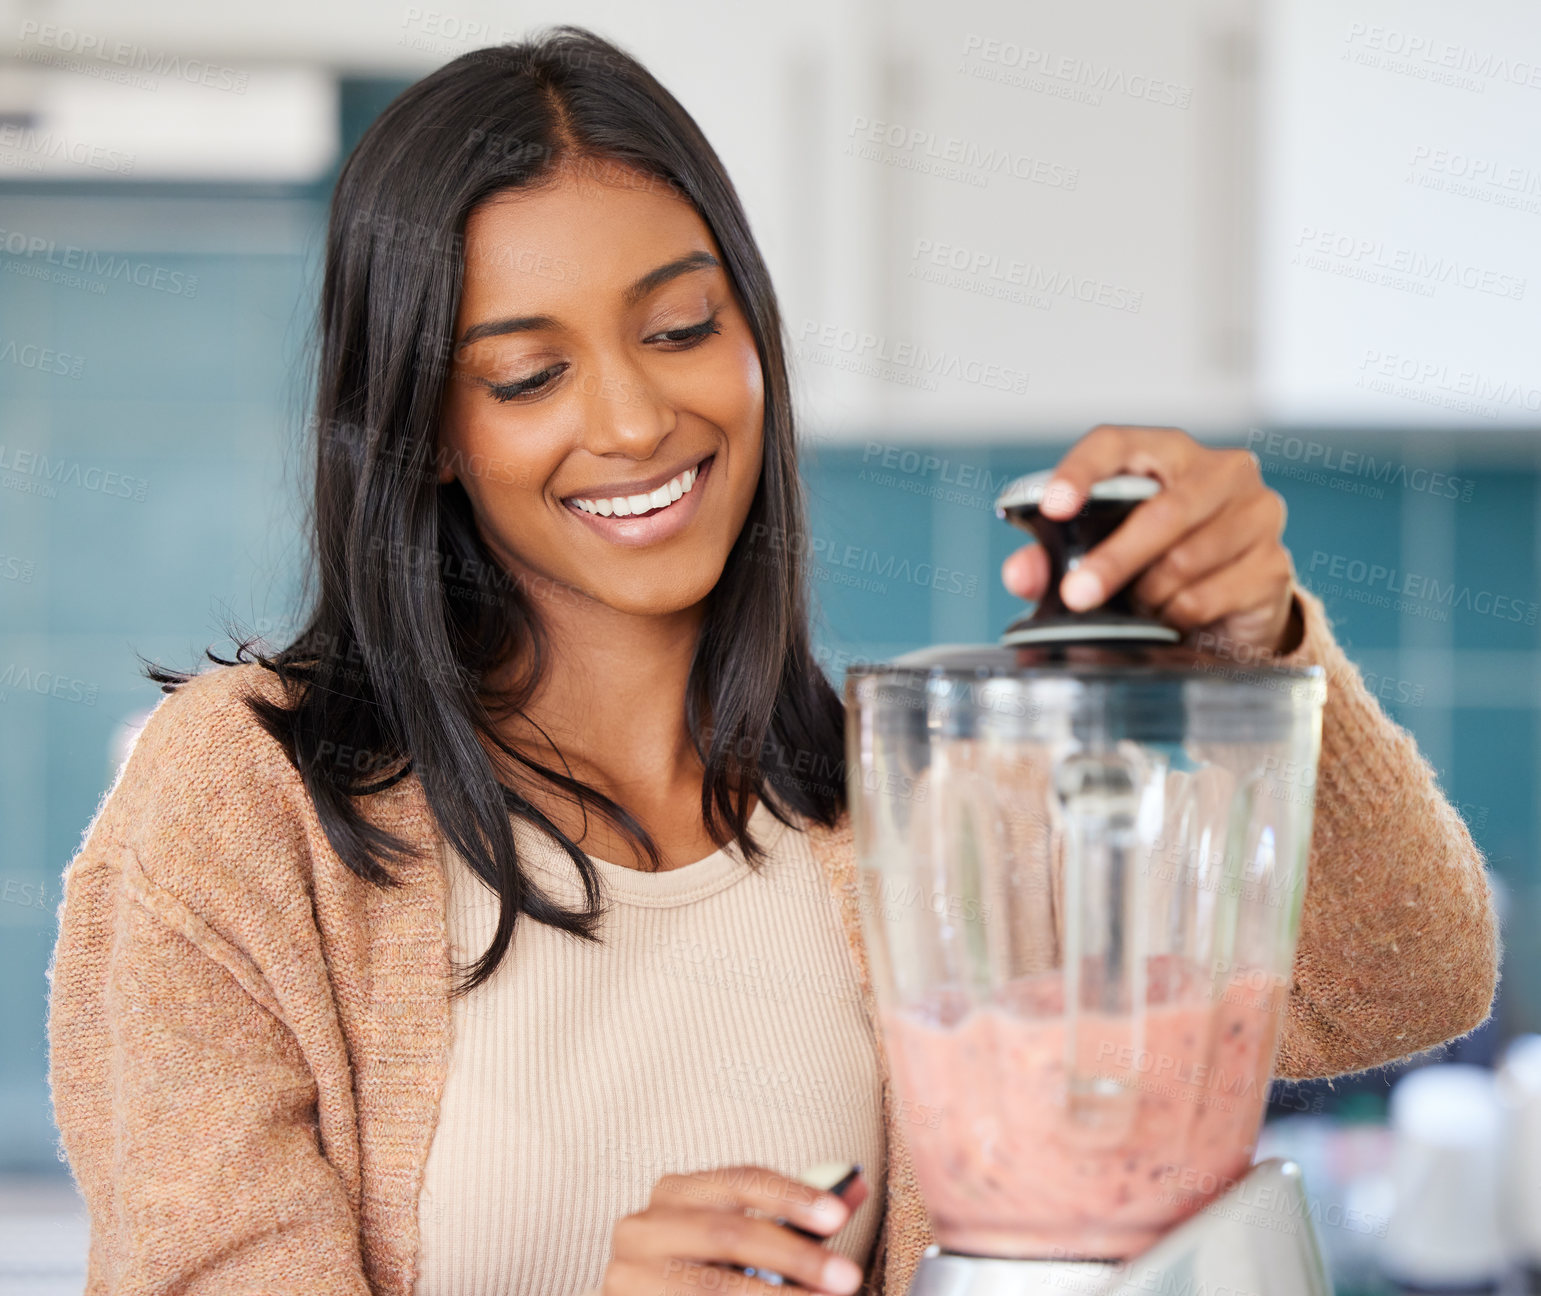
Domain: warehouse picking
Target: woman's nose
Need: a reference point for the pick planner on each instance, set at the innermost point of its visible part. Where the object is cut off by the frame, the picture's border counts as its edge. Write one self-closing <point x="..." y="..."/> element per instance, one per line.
<point x="626" y="413"/>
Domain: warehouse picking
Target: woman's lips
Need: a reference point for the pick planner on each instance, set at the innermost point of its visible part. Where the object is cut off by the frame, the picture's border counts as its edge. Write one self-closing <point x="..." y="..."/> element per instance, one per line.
<point x="654" y="526"/>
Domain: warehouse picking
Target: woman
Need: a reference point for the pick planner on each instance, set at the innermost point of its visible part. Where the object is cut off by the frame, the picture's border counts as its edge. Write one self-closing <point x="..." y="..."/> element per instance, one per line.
<point x="557" y="656"/>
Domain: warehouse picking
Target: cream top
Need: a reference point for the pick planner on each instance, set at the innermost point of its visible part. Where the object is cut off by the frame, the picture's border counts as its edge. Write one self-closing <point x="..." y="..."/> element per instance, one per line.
<point x="718" y="1023"/>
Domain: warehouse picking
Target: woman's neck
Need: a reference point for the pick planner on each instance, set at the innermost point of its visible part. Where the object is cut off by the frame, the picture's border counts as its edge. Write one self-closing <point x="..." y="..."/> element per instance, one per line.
<point x="610" y="709"/>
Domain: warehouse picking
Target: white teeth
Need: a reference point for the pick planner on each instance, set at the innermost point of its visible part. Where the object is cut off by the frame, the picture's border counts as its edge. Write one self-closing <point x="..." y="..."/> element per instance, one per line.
<point x="628" y="505"/>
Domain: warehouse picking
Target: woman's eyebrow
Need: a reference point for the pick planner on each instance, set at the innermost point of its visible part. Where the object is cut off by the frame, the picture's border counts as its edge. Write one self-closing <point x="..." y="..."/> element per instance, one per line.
<point x="650" y="282"/>
<point x="657" y="278"/>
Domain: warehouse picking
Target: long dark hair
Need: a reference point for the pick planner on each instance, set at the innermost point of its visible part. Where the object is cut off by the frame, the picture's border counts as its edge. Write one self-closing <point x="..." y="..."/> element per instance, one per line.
<point x="408" y="610"/>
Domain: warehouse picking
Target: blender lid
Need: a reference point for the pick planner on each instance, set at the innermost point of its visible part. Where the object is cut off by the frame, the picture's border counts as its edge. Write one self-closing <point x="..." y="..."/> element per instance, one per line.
<point x="1066" y="541"/>
<point x="1150" y="693"/>
<point x="1062" y="657"/>
<point x="1028" y="491"/>
<point x="1113" y="641"/>
<point x="1176" y="662"/>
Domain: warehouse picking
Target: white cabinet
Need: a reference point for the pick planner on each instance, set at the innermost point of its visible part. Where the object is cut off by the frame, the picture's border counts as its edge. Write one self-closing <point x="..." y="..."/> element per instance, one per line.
<point x="1041" y="219"/>
<point x="1400" y="252"/>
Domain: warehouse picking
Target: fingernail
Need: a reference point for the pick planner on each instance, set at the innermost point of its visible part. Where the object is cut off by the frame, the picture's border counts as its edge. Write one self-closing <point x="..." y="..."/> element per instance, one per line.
<point x="1081" y="590"/>
<point x="829" y="1206"/>
<point x="1058" y="495"/>
<point x="841" y="1274"/>
<point x="1011" y="573"/>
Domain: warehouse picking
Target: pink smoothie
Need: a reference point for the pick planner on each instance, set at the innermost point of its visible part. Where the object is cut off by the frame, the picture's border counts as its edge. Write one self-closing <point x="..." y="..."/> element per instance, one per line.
<point x="1013" y="1160"/>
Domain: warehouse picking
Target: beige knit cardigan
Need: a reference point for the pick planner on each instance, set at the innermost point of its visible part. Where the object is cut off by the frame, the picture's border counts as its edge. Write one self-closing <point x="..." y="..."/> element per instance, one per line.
<point x="248" y="1044"/>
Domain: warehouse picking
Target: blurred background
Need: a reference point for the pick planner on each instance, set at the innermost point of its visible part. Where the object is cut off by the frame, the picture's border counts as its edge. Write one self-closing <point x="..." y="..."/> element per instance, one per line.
<point x="1310" y="227"/>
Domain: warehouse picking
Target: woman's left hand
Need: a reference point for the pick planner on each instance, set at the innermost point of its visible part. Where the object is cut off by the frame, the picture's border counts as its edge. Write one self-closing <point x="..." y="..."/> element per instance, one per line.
<point x="1209" y="545"/>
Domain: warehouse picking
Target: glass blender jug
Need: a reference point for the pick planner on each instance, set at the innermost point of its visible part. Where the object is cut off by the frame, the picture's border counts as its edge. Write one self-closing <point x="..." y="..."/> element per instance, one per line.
<point x="1082" y="857"/>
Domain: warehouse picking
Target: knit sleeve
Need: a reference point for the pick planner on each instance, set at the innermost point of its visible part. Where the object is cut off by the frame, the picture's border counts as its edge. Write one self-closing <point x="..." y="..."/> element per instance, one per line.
<point x="184" y="1104"/>
<point x="1399" y="944"/>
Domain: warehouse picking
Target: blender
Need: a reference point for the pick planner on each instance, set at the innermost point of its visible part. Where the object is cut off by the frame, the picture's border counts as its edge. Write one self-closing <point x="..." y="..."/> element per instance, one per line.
<point x="1082" y="857"/>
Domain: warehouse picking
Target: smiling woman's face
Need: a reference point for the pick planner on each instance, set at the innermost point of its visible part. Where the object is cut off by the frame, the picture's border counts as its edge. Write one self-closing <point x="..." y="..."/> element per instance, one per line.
<point x="605" y="406"/>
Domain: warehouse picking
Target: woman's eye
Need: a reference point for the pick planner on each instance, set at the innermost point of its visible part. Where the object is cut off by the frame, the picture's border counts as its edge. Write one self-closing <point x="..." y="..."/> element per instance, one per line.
<point x="694" y="332"/>
<point x="510" y="391"/>
<point x="680" y="337"/>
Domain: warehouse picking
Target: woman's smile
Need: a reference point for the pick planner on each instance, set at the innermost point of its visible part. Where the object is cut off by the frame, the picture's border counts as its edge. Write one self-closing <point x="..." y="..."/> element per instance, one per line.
<point x="643" y="513"/>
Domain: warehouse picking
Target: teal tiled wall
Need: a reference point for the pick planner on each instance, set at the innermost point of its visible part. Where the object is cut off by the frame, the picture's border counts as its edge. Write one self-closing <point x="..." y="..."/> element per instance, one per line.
<point x="139" y="498"/>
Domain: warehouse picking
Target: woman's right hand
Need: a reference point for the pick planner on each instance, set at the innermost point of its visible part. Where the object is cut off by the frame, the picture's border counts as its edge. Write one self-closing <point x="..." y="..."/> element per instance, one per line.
<point x="693" y="1230"/>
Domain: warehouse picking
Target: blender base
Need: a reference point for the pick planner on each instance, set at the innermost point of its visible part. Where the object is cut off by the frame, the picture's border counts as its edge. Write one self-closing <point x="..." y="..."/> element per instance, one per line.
<point x="1255" y="1239"/>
